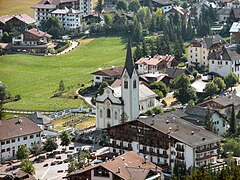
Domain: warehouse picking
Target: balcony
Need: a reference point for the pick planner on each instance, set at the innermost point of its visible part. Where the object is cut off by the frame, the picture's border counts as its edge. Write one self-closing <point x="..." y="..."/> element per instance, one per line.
<point x="180" y="149"/>
<point x="164" y="155"/>
<point x="206" y="157"/>
<point x="180" y="157"/>
<point x="206" y="149"/>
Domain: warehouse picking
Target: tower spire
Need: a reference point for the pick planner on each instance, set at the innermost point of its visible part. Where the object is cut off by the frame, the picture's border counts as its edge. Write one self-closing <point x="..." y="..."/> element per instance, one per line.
<point x="129" y="63"/>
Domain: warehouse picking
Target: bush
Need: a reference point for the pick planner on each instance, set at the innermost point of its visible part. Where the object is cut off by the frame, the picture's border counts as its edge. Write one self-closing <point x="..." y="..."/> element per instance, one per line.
<point x="157" y="110"/>
<point x="159" y="93"/>
<point x="149" y="112"/>
<point x="61" y="46"/>
<point x="17" y="97"/>
<point x="164" y="103"/>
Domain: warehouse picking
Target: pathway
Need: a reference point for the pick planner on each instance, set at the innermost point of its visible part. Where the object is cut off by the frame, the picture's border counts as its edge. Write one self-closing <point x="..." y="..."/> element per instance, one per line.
<point x="73" y="45"/>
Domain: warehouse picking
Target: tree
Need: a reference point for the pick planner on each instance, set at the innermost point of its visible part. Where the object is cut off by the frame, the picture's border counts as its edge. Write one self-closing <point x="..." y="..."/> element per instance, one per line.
<point x="122" y="5"/>
<point x="124" y="117"/>
<point x="134" y="6"/>
<point x="233" y="122"/>
<point x="220" y="83"/>
<point x="6" y="38"/>
<point x="22" y="153"/>
<point x="98" y="6"/>
<point x="50" y="144"/>
<point x="72" y="166"/>
<point x="231" y="79"/>
<point x="3" y="93"/>
<point x="53" y="26"/>
<point x="36" y="149"/>
<point x="61" y="86"/>
<point x="160" y="86"/>
<point x="183" y="90"/>
<point x="199" y="174"/>
<point x="211" y="88"/>
<point x="208" y="121"/>
<point x="65" y="139"/>
<point x="27" y="166"/>
<point x="102" y="87"/>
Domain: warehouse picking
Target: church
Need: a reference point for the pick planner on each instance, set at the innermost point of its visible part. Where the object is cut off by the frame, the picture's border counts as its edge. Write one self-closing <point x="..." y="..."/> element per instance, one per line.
<point x="125" y="99"/>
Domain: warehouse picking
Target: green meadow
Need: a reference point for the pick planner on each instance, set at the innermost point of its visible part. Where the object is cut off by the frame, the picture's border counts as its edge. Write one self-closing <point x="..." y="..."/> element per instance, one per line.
<point x="36" y="78"/>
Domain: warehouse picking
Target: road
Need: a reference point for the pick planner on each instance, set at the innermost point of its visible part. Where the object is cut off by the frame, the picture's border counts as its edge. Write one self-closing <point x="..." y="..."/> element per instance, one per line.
<point x="73" y="45"/>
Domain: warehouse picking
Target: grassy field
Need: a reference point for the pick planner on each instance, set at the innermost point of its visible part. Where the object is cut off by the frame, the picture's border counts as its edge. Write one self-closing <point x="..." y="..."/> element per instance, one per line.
<point x="36" y="78"/>
<point x="10" y="7"/>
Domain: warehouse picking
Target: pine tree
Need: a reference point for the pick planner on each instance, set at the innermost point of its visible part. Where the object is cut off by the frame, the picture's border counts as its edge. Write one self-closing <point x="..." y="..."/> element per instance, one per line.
<point x="233" y="123"/>
<point x="208" y="121"/>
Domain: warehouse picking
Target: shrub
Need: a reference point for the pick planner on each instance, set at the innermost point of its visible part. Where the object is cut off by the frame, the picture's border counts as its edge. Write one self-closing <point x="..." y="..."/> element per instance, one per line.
<point x="149" y="112"/>
<point x="157" y="110"/>
<point x="164" y="103"/>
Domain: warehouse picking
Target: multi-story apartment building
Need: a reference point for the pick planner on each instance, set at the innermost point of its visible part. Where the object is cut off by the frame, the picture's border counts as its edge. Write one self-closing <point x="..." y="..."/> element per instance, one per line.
<point x="165" y="140"/>
<point x="16" y="132"/>
<point x="47" y="8"/>
<point x="200" y="48"/>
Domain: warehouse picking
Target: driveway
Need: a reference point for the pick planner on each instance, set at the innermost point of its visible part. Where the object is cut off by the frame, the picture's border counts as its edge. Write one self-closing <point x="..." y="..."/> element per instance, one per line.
<point x="73" y="45"/>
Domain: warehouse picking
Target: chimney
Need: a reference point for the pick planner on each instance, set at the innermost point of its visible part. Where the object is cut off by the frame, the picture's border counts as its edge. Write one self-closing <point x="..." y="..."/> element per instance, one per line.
<point x="119" y="170"/>
<point x="167" y="121"/>
<point x="192" y="133"/>
<point x="153" y="121"/>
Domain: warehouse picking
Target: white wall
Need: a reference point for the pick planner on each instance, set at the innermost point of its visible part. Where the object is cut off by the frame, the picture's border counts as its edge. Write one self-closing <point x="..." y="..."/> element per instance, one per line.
<point x="221" y="67"/>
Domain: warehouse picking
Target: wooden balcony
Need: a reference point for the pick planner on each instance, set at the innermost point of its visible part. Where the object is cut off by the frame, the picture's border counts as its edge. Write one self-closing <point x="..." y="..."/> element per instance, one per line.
<point x="180" y="157"/>
<point x="206" y="149"/>
<point x="206" y="157"/>
<point x="180" y="149"/>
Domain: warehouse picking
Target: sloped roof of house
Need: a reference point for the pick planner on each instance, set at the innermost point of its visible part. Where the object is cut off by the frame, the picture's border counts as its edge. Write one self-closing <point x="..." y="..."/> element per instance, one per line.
<point x="175" y="72"/>
<point x="235" y="27"/>
<point x="179" y="10"/>
<point x="236" y="12"/>
<point x="17" y="127"/>
<point x="111" y="72"/>
<point x="184" y="131"/>
<point x="39" y="118"/>
<point x="153" y="61"/>
<point x="224" y="11"/>
<point x="224" y="101"/>
<point x="22" y="17"/>
<point x="39" y="33"/>
<point x="225" y="54"/>
<point x="126" y="166"/>
<point x="208" y="41"/>
<point x="163" y="2"/>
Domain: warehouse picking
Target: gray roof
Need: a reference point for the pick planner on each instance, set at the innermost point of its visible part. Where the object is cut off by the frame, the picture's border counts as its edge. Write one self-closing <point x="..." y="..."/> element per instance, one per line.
<point x="225" y="54"/>
<point x="224" y="100"/>
<point x="175" y="72"/>
<point x="129" y="63"/>
<point x="163" y="2"/>
<point x="224" y="11"/>
<point x="207" y="42"/>
<point x="236" y="12"/>
<point x="184" y="131"/>
<point x="39" y="118"/>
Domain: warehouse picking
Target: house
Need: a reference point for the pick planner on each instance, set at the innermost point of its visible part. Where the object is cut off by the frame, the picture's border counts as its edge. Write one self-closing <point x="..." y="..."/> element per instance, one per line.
<point x="223" y="104"/>
<point x="223" y="14"/>
<point x="175" y="72"/>
<point x="126" y="166"/>
<point x="224" y="62"/>
<point x="44" y="122"/>
<point x="234" y="15"/>
<point x="19" y="22"/>
<point x="19" y="175"/>
<point x="154" y="77"/>
<point x="177" y="10"/>
<point x="76" y="8"/>
<point x="32" y="40"/>
<point x="195" y="11"/>
<point x="154" y="64"/>
<point x="199" y="49"/>
<point x="69" y="18"/>
<point x="15" y="132"/>
<point x="235" y="33"/>
<point x="165" y="5"/>
<point x="125" y="99"/>
<point x="109" y="75"/>
<point x="196" y="115"/>
<point x="166" y="139"/>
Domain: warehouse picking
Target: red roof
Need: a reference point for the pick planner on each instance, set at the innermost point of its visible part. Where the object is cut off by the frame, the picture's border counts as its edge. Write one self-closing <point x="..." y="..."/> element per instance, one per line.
<point x="17" y="127"/>
<point x="112" y="72"/>
<point x="39" y="33"/>
<point x="156" y="60"/>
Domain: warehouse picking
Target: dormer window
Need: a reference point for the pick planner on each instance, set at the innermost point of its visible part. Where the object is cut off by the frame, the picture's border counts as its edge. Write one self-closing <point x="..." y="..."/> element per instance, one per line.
<point x="125" y="85"/>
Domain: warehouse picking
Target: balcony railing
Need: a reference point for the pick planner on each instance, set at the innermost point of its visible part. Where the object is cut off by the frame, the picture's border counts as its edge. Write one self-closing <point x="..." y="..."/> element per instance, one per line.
<point x="206" y="149"/>
<point x="180" y="149"/>
<point x="206" y="157"/>
<point x="180" y="157"/>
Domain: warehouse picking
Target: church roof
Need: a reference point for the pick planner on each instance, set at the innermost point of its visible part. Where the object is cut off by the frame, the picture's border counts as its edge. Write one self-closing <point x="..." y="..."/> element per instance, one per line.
<point x="129" y="63"/>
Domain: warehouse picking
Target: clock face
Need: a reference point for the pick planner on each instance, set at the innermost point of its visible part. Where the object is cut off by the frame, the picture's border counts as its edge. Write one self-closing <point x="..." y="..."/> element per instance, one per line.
<point x="125" y="76"/>
<point x="108" y="103"/>
<point x="107" y="91"/>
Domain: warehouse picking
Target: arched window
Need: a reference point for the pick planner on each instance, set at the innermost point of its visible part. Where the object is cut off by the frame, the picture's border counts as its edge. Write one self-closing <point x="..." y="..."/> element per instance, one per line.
<point x="115" y="115"/>
<point x="134" y="84"/>
<point x="101" y="113"/>
<point x="108" y="113"/>
<point x="125" y="85"/>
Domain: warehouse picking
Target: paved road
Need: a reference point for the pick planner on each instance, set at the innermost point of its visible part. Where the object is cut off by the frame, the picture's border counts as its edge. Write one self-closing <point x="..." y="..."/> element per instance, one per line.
<point x="73" y="45"/>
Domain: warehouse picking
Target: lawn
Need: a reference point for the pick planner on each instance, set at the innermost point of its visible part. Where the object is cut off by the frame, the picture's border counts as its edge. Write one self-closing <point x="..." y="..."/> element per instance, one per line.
<point x="10" y="7"/>
<point x="36" y="78"/>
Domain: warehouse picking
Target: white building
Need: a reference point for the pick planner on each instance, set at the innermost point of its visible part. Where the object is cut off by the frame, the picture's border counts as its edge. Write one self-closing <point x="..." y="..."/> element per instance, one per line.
<point x="224" y="62"/>
<point x="47" y="8"/>
<point x="199" y="49"/>
<point x="126" y="98"/>
<point x="16" y="132"/>
<point x="166" y="139"/>
<point x="70" y="18"/>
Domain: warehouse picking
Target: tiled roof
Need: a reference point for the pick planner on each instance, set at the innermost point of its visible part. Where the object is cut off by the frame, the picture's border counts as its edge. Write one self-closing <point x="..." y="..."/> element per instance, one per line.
<point x="17" y="127"/>
<point x="39" y="33"/>
<point x="39" y="118"/>
<point x="207" y="42"/>
<point x="155" y="60"/>
<point x="126" y="166"/>
<point x="175" y="72"/>
<point x="111" y="72"/>
<point x="225" y="54"/>
<point x="224" y="11"/>
<point x="184" y="131"/>
<point x="22" y="17"/>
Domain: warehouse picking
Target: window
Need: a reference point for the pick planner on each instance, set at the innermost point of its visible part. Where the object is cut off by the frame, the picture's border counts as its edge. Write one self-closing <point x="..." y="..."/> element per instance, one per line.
<point x="3" y="142"/>
<point x="115" y="115"/>
<point x="31" y="136"/>
<point x="25" y="138"/>
<point x="18" y="139"/>
<point x="13" y="140"/>
<point x="125" y="84"/>
<point x="38" y="135"/>
<point x="8" y="142"/>
<point x="3" y="150"/>
<point x="101" y="113"/>
<point x="97" y="77"/>
<point x="226" y="63"/>
<point x="8" y="149"/>
<point x="134" y="84"/>
<point x="212" y="62"/>
<point x="108" y="113"/>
